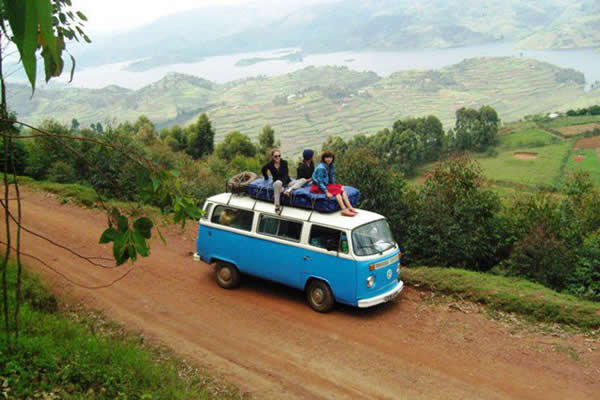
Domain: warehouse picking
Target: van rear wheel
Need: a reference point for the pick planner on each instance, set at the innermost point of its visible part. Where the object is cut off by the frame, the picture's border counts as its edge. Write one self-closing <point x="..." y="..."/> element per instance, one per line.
<point x="227" y="275"/>
<point x="319" y="296"/>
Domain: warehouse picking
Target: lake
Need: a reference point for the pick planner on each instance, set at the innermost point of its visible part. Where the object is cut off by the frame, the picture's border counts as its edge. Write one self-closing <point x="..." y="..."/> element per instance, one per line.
<point x="222" y="69"/>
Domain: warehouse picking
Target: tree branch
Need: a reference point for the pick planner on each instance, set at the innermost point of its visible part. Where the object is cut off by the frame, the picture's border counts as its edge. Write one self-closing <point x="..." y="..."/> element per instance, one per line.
<point x="73" y="252"/>
<point x="45" y="264"/>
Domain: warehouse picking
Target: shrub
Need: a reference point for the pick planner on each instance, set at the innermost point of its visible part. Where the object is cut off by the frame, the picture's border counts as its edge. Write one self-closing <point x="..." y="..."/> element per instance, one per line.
<point x="541" y="257"/>
<point x="45" y="151"/>
<point x="584" y="279"/>
<point x="380" y="188"/>
<point x="453" y="219"/>
<point x="62" y="172"/>
<point x="18" y="156"/>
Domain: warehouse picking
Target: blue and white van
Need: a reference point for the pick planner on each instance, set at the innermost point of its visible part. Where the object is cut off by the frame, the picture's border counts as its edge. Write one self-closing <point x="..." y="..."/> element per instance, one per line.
<point x="332" y="258"/>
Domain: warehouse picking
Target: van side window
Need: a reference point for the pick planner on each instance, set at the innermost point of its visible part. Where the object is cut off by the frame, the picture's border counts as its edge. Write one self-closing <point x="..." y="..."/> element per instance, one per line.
<point x="233" y="217"/>
<point x="325" y="238"/>
<point x="207" y="210"/>
<point x="281" y="228"/>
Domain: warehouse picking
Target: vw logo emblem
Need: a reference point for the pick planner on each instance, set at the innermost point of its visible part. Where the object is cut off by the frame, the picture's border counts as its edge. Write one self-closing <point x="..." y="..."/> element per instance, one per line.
<point x="389" y="274"/>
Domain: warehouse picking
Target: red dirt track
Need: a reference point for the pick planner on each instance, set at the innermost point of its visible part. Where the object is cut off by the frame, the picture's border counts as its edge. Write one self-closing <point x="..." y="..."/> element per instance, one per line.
<point x="266" y="340"/>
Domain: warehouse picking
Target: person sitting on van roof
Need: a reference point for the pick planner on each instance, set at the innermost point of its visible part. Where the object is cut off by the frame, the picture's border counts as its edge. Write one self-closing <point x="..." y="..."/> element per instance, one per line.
<point x="307" y="167"/>
<point x="324" y="182"/>
<point x="303" y="173"/>
<point x="279" y="171"/>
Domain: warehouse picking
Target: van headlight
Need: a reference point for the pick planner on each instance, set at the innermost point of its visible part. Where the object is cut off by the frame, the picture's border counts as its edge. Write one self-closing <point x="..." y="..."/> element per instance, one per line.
<point x="370" y="281"/>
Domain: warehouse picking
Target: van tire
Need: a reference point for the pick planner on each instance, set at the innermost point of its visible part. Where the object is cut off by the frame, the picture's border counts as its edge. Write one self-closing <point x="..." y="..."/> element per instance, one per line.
<point x="319" y="296"/>
<point x="227" y="275"/>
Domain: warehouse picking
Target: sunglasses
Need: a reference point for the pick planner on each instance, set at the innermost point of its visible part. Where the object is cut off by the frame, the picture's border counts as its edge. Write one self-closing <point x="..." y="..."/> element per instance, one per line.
<point x="277" y="156"/>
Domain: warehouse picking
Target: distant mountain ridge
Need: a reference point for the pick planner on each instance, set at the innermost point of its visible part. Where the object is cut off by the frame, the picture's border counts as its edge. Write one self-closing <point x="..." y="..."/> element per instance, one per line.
<point x="354" y="25"/>
<point x="306" y="106"/>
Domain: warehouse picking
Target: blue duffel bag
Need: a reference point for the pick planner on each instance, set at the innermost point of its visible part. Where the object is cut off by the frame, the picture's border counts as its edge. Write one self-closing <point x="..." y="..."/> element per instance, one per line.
<point x="302" y="197"/>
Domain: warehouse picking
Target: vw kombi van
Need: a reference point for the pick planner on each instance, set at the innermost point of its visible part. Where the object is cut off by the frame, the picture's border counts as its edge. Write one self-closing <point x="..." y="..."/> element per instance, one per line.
<point x="330" y="257"/>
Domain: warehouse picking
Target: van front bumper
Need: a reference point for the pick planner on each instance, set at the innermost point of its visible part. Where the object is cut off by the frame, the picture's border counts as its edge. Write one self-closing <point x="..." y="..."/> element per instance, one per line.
<point x="382" y="298"/>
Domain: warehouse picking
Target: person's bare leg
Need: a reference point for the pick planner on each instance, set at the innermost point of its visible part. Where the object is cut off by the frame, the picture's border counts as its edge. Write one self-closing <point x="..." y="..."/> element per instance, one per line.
<point x="340" y="201"/>
<point x="347" y="201"/>
<point x="345" y="211"/>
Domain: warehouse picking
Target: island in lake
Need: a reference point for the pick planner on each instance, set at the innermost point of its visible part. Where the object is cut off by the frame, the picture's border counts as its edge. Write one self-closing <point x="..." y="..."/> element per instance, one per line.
<point x="291" y="57"/>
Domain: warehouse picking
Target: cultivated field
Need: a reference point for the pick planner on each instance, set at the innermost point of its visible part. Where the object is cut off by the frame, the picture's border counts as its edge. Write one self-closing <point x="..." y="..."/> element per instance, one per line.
<point x="578" y="129"/>
<point x="537" y="166"/>
<point x="527" y="135"/>
<point x="586" y="158"/>
<point x="318" y="102"/>
<point x="565" y="121"/>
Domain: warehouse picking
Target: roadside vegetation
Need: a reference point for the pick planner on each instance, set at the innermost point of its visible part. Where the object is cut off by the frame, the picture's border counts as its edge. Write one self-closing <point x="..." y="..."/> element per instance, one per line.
<point x="79" y="355"/>
<point x="531" y="301"/>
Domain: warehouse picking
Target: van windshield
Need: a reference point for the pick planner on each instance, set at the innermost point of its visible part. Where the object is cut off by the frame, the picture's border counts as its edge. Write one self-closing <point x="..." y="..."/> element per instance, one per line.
<point x="372" y="238"/>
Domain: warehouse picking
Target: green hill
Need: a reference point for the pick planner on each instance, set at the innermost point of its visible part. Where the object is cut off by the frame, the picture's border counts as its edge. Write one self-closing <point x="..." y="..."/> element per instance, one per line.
<point x="577" y="26"/>
<point x="306" y="106"/>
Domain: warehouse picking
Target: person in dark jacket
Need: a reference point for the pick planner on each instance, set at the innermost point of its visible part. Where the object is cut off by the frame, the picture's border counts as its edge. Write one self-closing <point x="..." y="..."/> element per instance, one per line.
<point x="307" y="166"/>
<point x="323" y="181"/>
<point x="279" y="171"/>
<point x="304" y="172"/>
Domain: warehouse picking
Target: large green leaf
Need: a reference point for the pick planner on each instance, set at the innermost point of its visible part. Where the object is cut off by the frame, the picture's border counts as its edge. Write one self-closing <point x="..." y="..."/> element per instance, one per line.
<point x="109" y="235"/>
<point x="122" y="223"/>
<point x="144" y="227"/>
<point x="23" y="20"/>
<point x="44" y="14"/>
<point x="140" y="244"/>
<point x="120" y="246"/>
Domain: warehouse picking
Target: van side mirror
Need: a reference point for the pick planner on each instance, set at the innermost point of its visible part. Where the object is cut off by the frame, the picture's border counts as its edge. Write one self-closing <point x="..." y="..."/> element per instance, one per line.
<point x="332" y="245"/>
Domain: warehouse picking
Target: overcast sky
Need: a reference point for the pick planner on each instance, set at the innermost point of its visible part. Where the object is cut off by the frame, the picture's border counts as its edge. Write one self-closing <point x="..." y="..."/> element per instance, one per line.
<point x="110" y="16"/>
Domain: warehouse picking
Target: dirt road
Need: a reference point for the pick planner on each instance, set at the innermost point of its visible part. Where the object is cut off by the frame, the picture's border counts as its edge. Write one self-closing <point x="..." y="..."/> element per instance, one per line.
<point x="265" y="339"/>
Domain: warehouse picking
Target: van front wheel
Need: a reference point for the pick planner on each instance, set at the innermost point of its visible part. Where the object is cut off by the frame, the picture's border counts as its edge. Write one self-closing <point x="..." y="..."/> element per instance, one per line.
<point x="227" y="275"/>
<point x="319" y="296"/>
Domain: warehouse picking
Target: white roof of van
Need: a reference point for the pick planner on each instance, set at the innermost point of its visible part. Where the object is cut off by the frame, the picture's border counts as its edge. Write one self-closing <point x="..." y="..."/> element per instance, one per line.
<point x="334" y="219"/>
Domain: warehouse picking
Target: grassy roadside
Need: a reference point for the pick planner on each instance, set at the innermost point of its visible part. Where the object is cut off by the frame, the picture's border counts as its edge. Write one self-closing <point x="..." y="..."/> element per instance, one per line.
<point x="508" y="294"/>
<point x="62" y="356"/>
<point x="81" y="195"/>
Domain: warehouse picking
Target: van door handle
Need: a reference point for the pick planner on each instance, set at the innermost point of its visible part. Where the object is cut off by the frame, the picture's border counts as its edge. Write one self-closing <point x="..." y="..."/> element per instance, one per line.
<point x="209" y="233"/>
<point x="307" y="258"/>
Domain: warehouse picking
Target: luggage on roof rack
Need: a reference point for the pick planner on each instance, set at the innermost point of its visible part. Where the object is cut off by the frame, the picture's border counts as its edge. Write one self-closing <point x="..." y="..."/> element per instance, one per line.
<point x="302" y="197"/>
<point x="238" y="184"/>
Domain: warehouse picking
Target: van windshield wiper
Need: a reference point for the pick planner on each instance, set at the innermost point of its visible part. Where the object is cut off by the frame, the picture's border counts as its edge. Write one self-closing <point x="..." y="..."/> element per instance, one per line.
<point x="387" y="248"/>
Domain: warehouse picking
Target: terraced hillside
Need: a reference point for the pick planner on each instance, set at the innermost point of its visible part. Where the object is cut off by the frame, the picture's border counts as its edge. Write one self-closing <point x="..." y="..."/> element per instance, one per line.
<point x="306" y="106"/>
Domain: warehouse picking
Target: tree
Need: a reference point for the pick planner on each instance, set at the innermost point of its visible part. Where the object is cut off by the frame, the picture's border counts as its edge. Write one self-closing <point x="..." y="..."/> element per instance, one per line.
<point x="266" y="139"/>
<point x="235" y="143"/>
<point x="74" y="125"/>
<point x="489" y="124"/>
<point x="362" y="169"/>
<point x="200" y="137"/>
<point x="432" y="138"/>
<point x="399" y="150"/>
<point x="335" y="144"/>
<point x="145" y="131"/>
<point x="97" y="127"/>
<point x="175" y="137"/>
<point x="467" y="129"/>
